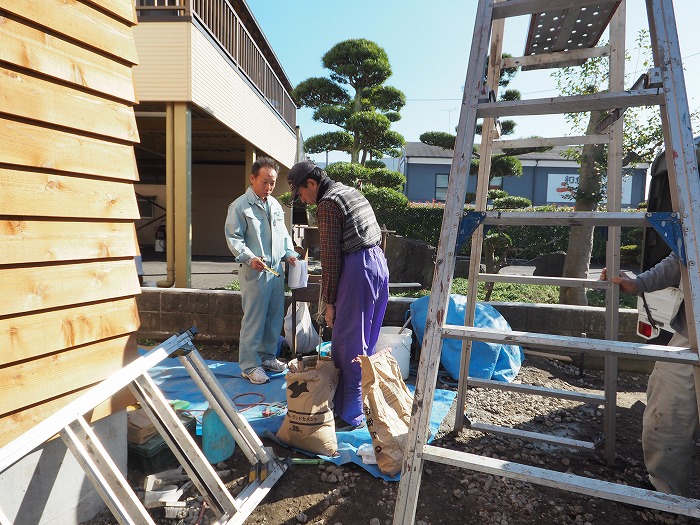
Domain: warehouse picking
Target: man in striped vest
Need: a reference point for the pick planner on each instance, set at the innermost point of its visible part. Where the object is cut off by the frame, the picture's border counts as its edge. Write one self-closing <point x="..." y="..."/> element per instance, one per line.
<point x="355" y="278"/>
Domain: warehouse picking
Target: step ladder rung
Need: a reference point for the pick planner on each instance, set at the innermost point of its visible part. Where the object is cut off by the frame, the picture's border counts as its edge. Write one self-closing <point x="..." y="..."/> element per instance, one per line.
<point x="109" y="482"/>
<point x="573" y="344"/>
<point x="571" y="104"/>
<point x="182" y="445"/>
<point x="530" y="436"/>
<point x="581" y="218"/>
<point x="593" y="399"/>
<point x="537" y="142"/>
<point x="555" y="58"/>
<point x="568" y="282"/>
<point x="561" y="480"/>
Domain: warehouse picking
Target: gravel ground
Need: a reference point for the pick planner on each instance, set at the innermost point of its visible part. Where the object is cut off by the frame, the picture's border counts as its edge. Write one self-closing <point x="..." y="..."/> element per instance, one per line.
<point x="346" y="495"/>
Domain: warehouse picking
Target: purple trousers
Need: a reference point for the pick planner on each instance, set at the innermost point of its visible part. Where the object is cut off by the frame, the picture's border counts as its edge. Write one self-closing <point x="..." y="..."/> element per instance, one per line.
<point x="363" y="293"/>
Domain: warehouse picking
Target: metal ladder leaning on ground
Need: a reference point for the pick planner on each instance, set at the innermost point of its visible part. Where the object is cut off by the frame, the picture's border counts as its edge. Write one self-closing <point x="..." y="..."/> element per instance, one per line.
<point x="110" y="483"/>
<point x="663" y="86"/>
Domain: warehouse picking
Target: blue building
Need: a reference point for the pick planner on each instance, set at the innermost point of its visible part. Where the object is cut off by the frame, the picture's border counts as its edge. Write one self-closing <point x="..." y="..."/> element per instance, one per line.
<point x="547" y="177"/>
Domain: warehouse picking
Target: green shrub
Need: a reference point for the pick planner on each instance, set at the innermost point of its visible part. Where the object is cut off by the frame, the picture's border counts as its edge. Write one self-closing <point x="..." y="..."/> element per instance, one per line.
<point x="496" y="194"/>
<point x="631" y="254"/>
<point x="386" y="203"/>
<point x="511" y="203"/>
<point x="374" y="164"/>
<point x="348" y="173"/>
<point x="386" y="178"/>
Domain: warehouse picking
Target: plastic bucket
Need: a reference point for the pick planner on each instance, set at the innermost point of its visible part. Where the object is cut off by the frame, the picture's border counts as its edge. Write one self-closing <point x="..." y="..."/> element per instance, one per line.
<point x="400" y="345"/>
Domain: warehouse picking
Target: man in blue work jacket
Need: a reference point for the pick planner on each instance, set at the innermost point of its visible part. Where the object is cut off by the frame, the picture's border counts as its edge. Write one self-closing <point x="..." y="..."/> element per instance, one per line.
<point x="256" y="234"/>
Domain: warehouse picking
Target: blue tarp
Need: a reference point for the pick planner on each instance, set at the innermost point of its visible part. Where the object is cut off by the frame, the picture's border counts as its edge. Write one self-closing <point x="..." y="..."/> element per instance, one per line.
<point x="251" y="400"/>
<point x="488" y="360"/>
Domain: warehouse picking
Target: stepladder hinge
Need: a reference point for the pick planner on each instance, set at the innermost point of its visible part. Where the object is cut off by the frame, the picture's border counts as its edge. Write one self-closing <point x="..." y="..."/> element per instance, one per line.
<point x="467" y="225"/>
<point x="668" y="226"/>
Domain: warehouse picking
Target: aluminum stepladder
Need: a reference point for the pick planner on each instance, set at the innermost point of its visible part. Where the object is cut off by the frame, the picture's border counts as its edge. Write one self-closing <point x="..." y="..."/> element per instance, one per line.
<point x="70" y="424"/>
<point x="477" y="103"/>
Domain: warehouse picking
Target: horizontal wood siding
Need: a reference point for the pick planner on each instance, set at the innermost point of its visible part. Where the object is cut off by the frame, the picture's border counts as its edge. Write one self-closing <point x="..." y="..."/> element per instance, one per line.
<point x="67" y="206"/>
<point x="11" y="424"/>
<point x="40" y="241"/>
<point x="163" y="73"/>
<point x="28" y="47"/>
<point x="44" y="101"/>
<point x="217" y="86"/>
<point x="48" y="194"/>
<point x="29" y="336"/>
<point x="39" y="379"/>
<point x="79" y="22"/>
<point x="32" y="145"/>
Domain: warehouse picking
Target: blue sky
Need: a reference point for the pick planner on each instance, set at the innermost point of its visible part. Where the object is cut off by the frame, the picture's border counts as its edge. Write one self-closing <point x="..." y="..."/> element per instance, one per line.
<point x="428" y="47"/>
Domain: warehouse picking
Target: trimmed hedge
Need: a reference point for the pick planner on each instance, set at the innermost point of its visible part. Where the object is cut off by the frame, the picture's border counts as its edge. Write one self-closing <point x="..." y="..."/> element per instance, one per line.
<point x="423" y="221"/>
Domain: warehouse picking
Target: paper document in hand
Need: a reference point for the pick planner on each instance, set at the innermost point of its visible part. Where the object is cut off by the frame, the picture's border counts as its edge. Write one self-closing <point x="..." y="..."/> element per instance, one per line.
<point x="298" y="275"/>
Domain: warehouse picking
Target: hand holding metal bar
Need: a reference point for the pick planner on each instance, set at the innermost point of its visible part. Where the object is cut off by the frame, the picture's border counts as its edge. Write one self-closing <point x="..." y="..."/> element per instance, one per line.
<point x="268" y="269"/>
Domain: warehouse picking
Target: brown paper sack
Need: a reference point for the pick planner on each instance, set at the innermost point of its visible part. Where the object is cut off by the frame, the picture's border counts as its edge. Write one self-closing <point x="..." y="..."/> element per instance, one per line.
<point x="387" y="404"/>
<point x="309" y="423"/>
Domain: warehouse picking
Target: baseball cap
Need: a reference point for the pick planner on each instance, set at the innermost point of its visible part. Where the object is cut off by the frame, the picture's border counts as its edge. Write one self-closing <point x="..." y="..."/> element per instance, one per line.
<point x="298" y="174"/>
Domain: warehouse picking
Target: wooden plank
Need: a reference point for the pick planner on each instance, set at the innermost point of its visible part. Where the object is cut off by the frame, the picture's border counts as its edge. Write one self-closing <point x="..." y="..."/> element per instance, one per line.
<point x="83" y="404"/>
<point x="595" y="218"/>
<point x="38" y="147"/>
<point x="29" y="97"/>
<point x="532" y="436"/>
<point x="34" y="381"/>
<point x="15" y="424"/>
<point x="551" y="59"/>
<point x="38" y="288"/>
<point x="124" y="9"/>
<point x="27" y="241"/>
<point x="37" y="194"/>
<point x="570" y="282"/>
<point x="604" y="347"/>
<point x="572" y="104"/>
<point x="564" y="481"/>
<point x="80" y="22"/>
<point x="29" y="336"/>
<point x="28" y="47"/>
<point x="536" y="142"/>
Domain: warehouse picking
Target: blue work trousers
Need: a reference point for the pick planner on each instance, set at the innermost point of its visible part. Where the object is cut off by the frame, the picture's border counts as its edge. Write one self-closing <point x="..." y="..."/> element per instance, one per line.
<point x="262" y="295"/>
<point x="363" y="293"/>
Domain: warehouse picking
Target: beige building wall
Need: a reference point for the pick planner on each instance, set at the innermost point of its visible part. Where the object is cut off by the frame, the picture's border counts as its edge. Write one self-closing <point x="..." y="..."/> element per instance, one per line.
<point x="163" y="72"/>
<point x="220" y="89"/>
<point x="213" y="189"/>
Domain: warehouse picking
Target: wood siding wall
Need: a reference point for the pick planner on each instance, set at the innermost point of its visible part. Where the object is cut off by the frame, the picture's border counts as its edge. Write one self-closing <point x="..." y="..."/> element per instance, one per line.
<point x="67" y="207"/>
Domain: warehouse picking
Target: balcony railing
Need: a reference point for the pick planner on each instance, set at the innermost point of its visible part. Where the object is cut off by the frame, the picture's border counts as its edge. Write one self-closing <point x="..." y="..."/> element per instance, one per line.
<point x="223" y="24"/>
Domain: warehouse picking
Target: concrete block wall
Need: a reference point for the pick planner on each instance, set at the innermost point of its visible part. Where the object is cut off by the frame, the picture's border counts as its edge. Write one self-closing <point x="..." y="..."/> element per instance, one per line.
<point x="217" y="315"/>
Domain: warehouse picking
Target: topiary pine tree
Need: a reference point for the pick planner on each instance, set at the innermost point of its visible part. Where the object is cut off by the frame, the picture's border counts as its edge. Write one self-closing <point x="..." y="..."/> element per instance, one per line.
<point x="356" y="100"/>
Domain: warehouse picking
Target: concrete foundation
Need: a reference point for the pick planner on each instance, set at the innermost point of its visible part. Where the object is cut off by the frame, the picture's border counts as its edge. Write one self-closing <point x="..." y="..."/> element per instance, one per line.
<point x="48" y="486"/>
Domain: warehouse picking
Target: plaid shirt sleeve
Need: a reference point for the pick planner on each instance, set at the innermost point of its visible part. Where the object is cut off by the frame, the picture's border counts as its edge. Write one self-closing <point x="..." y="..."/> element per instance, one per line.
<point x="330" y="227"/>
